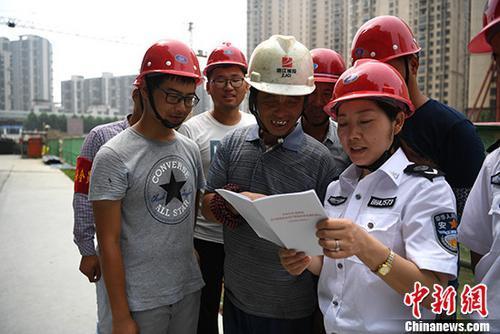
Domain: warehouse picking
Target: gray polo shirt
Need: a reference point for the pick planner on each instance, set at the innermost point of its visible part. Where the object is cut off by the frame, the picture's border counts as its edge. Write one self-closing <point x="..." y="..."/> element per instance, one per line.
<point x="254" y="279"/>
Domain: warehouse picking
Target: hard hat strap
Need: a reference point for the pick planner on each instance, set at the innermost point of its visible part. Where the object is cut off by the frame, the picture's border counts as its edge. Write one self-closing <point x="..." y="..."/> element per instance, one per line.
<point x="407" y="71"/>
<point x="384" y="157"/>
<point x="163" y="121"/>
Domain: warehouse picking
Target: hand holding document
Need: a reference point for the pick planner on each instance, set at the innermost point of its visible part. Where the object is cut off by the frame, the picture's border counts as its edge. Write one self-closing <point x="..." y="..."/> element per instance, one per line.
<point x="288" y="220"/>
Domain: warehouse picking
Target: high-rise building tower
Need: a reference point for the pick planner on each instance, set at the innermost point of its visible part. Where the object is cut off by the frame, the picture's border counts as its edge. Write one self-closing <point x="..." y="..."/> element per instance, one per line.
<point x="442" y="28"/>
<point x="31" y="59"/>
<point x="5" y="75"/>
<point x="479" y="65"/>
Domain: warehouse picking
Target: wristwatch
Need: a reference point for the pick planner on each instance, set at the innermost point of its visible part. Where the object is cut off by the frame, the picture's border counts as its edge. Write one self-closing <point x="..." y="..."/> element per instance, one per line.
<point x="386" y="267"/>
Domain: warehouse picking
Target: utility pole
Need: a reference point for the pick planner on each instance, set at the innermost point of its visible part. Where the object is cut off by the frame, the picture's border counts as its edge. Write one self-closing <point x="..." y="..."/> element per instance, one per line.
<point x="190" y="29"/>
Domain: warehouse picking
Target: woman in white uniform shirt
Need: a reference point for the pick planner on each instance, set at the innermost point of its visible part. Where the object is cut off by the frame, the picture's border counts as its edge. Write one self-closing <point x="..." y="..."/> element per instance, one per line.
<point x="391" y="223"/>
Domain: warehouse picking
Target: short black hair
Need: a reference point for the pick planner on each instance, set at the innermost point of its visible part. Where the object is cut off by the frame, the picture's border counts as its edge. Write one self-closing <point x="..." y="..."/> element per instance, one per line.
<point x="209" y="72"/>
<point x="156" y="79"/>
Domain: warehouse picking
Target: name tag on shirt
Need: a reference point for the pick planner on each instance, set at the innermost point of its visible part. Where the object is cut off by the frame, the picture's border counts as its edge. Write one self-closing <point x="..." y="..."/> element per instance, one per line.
<point x="376" y="202"/>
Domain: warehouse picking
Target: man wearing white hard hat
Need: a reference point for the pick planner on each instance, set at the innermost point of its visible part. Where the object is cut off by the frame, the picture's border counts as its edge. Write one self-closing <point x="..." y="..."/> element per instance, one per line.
<point x="272" y="157"/>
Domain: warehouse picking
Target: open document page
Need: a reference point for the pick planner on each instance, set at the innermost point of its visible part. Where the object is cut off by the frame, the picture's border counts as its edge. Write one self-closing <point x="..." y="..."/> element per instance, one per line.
<point x="288" y="220"/>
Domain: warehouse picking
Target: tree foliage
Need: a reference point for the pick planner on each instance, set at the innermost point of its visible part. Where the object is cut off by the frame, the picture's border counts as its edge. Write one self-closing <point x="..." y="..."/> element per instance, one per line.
<point x="58" y="122"/>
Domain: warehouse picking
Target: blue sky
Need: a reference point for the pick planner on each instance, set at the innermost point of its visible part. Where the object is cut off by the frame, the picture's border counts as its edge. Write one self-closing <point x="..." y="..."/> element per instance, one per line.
<point x="135" y="24"/>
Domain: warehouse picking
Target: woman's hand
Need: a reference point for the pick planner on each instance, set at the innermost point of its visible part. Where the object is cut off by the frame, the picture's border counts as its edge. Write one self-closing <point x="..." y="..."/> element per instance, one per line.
<point x="294" y="262"/>
<point x="340" y="238"/>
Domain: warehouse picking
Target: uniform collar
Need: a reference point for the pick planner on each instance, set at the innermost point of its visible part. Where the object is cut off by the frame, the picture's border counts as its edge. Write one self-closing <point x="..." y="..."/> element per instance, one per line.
<point x="292" y="142"/>
<point x="393" y="168"/>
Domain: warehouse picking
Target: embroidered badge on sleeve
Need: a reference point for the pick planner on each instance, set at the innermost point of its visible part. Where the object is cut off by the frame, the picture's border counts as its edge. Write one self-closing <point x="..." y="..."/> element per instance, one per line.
<point x="445" y="225"/>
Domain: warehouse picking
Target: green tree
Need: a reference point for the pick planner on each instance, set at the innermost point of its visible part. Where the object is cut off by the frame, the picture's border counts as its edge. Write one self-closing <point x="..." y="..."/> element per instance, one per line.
<point x="62" y="123"/>
<point x="32" y="122"/>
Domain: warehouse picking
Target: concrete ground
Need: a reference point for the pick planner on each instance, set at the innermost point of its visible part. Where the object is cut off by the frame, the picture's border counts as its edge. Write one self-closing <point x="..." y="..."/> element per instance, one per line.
<point x="42" y="290"/>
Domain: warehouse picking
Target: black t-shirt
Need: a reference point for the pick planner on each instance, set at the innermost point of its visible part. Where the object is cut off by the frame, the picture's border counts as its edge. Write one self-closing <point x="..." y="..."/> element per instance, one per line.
<point x="445" y="136"/>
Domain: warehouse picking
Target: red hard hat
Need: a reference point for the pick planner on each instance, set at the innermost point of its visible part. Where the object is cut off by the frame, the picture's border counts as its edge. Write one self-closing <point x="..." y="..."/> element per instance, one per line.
<point x="328" y="65"/>
<point x="170" y="57"/>
<point x="373" y="80"/>
<point x="226" y="54"/>
<point x="491" y="16"/>
<point x="383" y="38"/>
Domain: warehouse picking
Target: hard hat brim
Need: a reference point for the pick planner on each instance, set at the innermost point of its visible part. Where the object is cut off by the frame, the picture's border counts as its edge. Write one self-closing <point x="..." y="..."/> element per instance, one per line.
<point x="479" y="44"/>
<point x="215" y="65"/>
<point x="325" y="79"/>
<point x="331" y="106"/>
<point x="280" y="89"/>
<point x="140" y="78"/>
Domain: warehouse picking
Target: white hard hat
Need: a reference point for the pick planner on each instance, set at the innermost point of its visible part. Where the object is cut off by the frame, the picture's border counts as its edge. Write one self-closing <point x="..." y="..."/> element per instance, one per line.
<point x="283" y="66"/>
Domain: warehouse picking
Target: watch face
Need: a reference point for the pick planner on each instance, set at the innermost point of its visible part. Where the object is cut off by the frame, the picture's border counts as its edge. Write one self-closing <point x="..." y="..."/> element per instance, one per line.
<point x="384" y="270"/>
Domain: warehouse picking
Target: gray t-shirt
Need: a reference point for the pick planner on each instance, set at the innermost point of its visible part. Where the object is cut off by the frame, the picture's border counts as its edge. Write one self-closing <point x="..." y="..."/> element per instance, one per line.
<point x="157" y="183"/>
<point x="254" y="278"/>
<point x="207" y="132"/>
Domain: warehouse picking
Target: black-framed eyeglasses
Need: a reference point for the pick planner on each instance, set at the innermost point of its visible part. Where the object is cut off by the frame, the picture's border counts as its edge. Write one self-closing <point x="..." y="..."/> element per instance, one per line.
<point x="234" y="82"/>
<point x="174" y="98"/>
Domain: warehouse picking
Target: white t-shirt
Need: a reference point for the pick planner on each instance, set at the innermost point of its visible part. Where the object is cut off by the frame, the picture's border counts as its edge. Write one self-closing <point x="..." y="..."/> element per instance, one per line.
<point x="207" y="132"/>
<point x="407" y="213"/>
<point x="480" y="231"/>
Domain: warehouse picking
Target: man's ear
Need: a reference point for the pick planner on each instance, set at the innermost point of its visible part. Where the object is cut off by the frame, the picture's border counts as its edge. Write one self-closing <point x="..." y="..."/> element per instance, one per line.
<point x="413" y="64"/>
<point x="207" y="87"/>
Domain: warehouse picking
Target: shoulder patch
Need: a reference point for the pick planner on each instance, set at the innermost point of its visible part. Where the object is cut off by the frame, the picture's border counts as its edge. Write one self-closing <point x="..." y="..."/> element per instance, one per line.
<point x="337" y="200"/>
<point x="423" y="171"/>
<point x="495" y="179"/>
<point x="445" y="225"/>
<point x="376" y="202"/>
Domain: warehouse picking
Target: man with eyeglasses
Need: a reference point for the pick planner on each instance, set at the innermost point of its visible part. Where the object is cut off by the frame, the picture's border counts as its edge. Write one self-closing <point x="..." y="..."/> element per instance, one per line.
<point x="272" y="157"/>
<point x="144" y="189"/>
<point x="328" y="66"/>
<point x="225" y="71"/>
<point x="83" y="223"/>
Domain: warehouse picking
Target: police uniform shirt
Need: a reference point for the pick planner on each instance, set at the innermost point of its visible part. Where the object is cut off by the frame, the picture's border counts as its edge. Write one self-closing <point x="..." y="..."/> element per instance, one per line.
<point x="413" y="215"/>
<point x="480" y="231"/>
